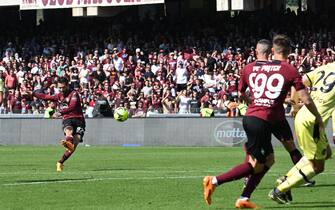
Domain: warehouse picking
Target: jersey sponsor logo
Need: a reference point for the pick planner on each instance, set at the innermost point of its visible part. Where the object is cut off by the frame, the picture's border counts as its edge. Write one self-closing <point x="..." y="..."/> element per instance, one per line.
<point x="230" y="133"/>
<point x="266" y="88"/>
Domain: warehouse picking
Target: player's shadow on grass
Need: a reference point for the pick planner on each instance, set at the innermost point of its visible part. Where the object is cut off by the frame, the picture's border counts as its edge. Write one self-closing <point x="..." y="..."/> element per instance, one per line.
<point x="319" y="185"/>
<point x="51" y="180"/>
<point x="315" y="202"/>
<point x="302" y="207"/>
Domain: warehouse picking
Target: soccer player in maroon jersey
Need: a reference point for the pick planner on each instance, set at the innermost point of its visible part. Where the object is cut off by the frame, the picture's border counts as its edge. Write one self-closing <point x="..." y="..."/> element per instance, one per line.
<point x="269" y="84"/>
<point x="70" y="110"/>
<point x="281" y="129"/>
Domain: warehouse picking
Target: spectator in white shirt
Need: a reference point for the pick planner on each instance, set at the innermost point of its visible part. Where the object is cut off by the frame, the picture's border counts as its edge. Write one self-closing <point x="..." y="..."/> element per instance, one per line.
<point x="181" y="77"/>
<point x="147" y="89"/>
<point x="118" y="63"/>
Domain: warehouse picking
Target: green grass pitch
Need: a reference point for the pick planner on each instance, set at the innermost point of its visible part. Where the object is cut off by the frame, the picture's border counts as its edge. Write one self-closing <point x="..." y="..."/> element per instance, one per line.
<point x="107" y="177"/>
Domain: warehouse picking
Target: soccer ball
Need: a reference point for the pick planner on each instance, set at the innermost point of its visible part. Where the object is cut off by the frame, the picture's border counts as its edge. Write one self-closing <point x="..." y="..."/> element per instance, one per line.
<point x="121" y="114"/>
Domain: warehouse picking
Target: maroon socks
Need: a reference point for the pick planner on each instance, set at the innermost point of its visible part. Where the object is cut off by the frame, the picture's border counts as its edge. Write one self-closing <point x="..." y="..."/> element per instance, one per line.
<point x="253" y="182"/>
<point x="235" y="173"/>
<point x="66" y="155"/>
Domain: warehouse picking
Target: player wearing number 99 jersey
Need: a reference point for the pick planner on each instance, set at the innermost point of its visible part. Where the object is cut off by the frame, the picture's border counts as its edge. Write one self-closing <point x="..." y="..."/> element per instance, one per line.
<point x="269" y="83"/>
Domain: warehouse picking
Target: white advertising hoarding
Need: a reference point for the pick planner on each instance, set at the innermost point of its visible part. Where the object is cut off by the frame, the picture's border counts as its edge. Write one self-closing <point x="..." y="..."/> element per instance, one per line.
<point x="222" y="5"/>
<point x="237" y="4"/>
<point x="9" y="2"/>
<point x="57" y="4"/>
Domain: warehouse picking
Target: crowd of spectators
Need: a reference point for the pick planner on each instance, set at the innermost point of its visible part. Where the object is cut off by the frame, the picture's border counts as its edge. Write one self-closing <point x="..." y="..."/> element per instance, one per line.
<point x="152" y="67"/>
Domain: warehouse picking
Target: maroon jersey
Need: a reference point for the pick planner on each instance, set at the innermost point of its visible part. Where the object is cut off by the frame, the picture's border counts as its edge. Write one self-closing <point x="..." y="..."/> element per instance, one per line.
<point x="232" y="84"/>
<point x="269" y="83"/>
<point x="69" y="106"/>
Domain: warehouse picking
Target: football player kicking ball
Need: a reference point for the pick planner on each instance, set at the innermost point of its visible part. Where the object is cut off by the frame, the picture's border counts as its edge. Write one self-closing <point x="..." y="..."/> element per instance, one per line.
<point x="312" y="140"/>
<point x="70" y="110"/>
<point x="268" y="83"/>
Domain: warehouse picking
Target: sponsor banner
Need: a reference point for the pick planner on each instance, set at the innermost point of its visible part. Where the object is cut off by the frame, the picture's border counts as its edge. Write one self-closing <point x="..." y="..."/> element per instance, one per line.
<point x="230" y="133"/>
<point x="57" y="4"/>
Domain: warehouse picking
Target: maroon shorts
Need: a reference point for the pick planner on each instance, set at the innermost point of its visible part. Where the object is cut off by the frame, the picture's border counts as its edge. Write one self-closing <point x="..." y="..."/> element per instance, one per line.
<point x="77" y="124"/>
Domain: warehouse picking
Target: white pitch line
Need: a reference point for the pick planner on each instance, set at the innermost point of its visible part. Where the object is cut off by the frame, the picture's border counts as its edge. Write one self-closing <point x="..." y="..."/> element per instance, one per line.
<point x="115" y="178"/>
<point x="131" y="170"/>
<point x="104" y="172"/>
<point x="100" y="179"/>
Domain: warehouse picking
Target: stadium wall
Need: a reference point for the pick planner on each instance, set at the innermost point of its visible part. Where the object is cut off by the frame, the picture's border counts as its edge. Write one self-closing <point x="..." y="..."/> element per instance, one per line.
<point x="133" y="132"/>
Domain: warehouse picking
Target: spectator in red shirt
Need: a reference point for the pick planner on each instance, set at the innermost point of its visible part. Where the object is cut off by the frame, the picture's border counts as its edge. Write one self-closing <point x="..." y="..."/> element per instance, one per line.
<point x="14" y="102"/>
<point x="11" y="81"/>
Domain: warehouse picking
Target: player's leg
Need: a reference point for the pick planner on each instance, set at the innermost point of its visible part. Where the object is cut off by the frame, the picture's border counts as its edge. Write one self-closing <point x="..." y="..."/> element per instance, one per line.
<point x="309" y="169"/>
<point x="315" y="153"/>
<point x="237" y="172"/>
<point x="67" y="142"/>
<point x="73" y="136"/>
<point x="79" y="131"/>
<point x="255" y="164"/>
<point x="314" y="149"/>
<point x="67" y="153"/>
<point x="246" y="159"/>
<point x="296" y="156"/>
<point x="255" y="179"/>
<point x="291" y="148"/>
<point x="69" y="126"/>
<point x="282" y="131"/>
<point x="304" y="174"/>
<point x="329" y="152"/>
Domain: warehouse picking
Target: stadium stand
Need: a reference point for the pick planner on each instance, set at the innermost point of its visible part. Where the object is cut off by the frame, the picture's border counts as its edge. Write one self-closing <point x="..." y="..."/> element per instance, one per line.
<point x="151" y="65"/>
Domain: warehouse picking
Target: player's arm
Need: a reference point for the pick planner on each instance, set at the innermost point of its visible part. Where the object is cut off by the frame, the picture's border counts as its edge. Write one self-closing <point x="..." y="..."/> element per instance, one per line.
<point x="306" y="98"/>
<point x="308" y="102"/>
<point x="45" y="96"/>
<point x="72" y="105"/>
<point x="294" y="101"/>
<point x="294" y="98"/>
<point x="307" y="80"/>
<point x="242" y="87"/>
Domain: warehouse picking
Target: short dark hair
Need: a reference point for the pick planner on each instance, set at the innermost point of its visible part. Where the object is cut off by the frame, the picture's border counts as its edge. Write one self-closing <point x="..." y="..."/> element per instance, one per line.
<point x="282" y="44"/>
<point x="264" y="46"/>
<point x="63" y="80"/>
